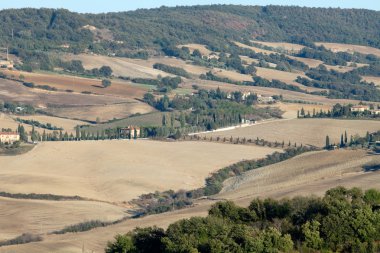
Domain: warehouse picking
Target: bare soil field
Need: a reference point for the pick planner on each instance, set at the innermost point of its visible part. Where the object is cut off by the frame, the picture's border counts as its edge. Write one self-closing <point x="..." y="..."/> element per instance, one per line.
<point x="42" y="216"/>
<point x="102" y="112"/>
<point x="303" y="131"/>
<point x="339" y="47"/>
<point x="79" y="84"/>
<point x="118" y="170"/>
<point x="313" y="182"/>
<point x="282" y="45"/>
<point x="16" y="92"/>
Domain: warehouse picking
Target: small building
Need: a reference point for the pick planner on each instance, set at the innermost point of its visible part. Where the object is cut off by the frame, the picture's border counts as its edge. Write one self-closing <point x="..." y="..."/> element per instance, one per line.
<point x="265" y="100"/>
<point x="131" y="132"/>
<point x="9" y="137"/>
<point x="360" y="108"/>
<point x="375" y="112"/>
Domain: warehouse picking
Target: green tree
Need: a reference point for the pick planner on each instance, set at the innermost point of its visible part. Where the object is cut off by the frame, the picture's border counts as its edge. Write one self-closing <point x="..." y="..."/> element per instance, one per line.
<point x="182" y="120"/>
<point x="312" y="238"/>
<point x="327" y="145"/>
<point x="106" y="83"/>
<point x="122" y="244"/>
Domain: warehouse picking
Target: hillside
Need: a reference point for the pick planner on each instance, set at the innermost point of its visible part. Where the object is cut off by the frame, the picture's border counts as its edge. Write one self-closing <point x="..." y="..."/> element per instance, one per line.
<point x="211" y="25"/>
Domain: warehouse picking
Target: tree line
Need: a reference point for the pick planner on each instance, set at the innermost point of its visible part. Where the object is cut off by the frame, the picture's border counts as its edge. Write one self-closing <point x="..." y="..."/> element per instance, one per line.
<point x="343" y="220"/>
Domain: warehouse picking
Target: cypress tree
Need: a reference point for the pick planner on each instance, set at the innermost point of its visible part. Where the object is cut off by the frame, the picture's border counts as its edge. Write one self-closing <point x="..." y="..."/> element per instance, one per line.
<point x="327" y="142"/>
<point x="345" y="137"/>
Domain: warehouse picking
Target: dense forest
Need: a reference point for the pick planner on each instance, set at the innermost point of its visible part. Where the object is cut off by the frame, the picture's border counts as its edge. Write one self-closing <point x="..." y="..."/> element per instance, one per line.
<point x="134" y="31"/>
<point x="344" y="220"/>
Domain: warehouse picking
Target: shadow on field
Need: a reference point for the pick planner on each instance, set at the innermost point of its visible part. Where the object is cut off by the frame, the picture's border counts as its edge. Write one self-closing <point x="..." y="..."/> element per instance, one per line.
<point x="371" y="167"/>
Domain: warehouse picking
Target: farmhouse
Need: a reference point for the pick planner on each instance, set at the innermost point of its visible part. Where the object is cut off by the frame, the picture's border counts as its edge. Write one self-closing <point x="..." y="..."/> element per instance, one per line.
<point x="265" y="100"/>
<point x="9" y="137"/>
<point x="131" y="132"/>
<point x="360" y="108"/>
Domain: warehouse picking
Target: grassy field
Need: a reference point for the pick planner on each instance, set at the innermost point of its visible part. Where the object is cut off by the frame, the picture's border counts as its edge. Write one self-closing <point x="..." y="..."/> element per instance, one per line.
<point x="118" y="170"/>
<point x="303" y="131"/>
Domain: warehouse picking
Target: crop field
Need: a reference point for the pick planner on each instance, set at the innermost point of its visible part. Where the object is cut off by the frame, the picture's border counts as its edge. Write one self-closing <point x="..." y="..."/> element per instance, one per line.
<point x="145" y="120"/>
<point x="201" y="48"/>
<point x="372" y="79"/>
<point x="120" y="66"/>
<point x="290" y="109"/>
<point x="286" y="77"/>
<point x="45" y="216"/>
<point x="67" y="124"/>
<point x="16" y="92"/>
<point x="338" y="168"/>
<point x="303" y="131"/>
<point x="287" y="94"/>
<point x="103" y="113"/>
<point x="79" y="84"/>
<point x="309" y="170"/>
<point x="339" y="47"/>
<point x="118" y="170"/>
<point x="282" y="45"/>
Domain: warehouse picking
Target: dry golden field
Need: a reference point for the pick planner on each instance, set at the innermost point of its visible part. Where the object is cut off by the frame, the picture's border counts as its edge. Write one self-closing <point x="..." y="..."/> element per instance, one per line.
<point x="339" y="168"/>
<point x="287" y="94"/>
<point x="120" y="66"/>
<point x="290" y="109"/>
<point x="372" y="79"/>
<point x="307" y="170"/>
<point x="79" y="84"/>
<point x="118" y="170"/>
<point x="43" y="216"/>
<point x="339" y="47"/>
<point x="282" y="45"/>
<point x="303" y="131"/>
<point x="67" y="124"/>
<point x="102" y="112"/>
<point x="201" y="48"/>
<point x="16" y="92"/>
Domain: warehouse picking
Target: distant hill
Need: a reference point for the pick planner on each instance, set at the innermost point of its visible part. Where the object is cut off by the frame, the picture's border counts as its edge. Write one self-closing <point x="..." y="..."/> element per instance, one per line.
<point x="215" y="25"/>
